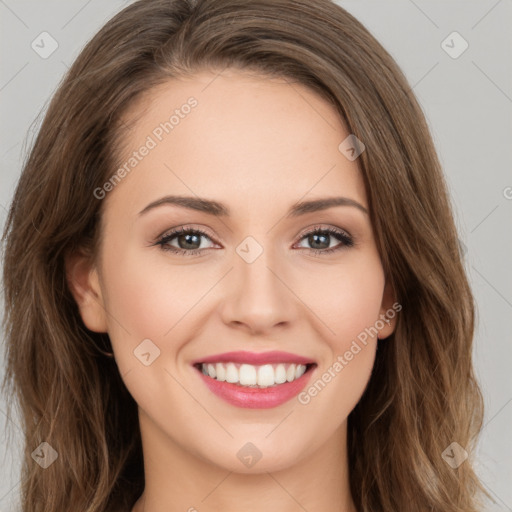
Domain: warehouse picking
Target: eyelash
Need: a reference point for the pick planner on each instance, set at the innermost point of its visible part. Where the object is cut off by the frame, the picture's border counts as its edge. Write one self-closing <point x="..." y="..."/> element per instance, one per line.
<point x="342" y="236"/>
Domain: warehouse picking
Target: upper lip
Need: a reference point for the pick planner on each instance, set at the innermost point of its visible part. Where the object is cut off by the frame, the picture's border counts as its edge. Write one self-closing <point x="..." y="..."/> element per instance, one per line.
<point x="255" y="358"/>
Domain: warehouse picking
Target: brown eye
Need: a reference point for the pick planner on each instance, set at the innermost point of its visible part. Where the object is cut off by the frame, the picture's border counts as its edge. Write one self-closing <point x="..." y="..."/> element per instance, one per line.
<point x="188" y="241"/>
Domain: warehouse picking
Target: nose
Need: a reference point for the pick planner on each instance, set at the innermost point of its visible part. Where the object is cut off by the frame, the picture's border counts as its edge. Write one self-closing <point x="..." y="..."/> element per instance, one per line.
<point x="258" y="299"/>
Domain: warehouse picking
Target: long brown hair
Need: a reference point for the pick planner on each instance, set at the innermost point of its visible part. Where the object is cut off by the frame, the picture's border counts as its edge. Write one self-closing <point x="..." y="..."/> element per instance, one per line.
<point x="422" y="394"/>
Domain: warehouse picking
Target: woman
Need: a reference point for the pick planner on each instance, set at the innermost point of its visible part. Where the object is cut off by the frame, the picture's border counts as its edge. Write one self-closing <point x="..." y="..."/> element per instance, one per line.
<point x="254" y="368"/>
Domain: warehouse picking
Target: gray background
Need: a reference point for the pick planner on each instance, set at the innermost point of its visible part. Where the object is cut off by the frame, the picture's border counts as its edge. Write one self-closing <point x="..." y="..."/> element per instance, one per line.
<point x="468" y="104"/>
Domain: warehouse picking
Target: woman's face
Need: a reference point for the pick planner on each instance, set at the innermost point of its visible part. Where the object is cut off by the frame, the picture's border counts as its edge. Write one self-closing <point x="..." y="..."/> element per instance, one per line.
<point x="262" y="276"/>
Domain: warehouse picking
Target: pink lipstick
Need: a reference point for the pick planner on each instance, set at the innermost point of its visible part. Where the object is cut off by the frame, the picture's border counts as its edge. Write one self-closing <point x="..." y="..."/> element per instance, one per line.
<point x="255" y="380"/>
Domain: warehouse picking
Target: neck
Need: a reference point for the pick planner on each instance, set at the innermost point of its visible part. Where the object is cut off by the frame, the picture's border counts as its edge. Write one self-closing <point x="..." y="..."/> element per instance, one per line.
<point x="177" y="480"/>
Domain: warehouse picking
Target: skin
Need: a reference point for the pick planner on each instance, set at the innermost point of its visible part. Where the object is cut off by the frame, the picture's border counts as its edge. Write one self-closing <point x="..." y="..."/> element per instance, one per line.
<point x="258" y="145"/>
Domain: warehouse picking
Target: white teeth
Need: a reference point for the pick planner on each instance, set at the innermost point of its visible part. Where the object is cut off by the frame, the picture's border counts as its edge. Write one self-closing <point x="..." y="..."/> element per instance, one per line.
<point x="211" y="371"/>
<point x="247" y="375"/>
<point x="254" y="376"/>
<point x="221" y="372"/>
<point x="231" y="373"/>
<point x="299" y="371"/>
<point x="266" y="375"/>
<point x="280" y="374"/>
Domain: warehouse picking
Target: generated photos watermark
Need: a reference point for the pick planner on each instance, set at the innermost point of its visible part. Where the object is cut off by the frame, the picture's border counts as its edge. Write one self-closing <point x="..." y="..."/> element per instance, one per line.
<point x="157" y="135"/>
<point x="343" y="360"/>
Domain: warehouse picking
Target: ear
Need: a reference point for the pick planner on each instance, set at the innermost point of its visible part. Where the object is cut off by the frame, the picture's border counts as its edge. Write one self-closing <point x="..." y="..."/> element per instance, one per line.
<point x="388" y="312"/>
<point x="83" y="282"/>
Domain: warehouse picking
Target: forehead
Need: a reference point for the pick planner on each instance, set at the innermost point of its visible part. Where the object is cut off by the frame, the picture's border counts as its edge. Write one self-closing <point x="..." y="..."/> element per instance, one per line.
<point x="237" y="137"/>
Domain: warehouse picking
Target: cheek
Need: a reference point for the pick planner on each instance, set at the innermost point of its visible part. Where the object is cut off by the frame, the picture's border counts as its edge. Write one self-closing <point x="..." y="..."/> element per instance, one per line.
<point x="151" y="299"/>
<point x="149" y="296"/>
<point x="346" y="297"/>
<point x="349" y="305"/>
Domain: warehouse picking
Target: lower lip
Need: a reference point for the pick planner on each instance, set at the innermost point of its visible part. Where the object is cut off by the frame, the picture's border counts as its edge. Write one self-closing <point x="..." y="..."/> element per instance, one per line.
<point x="256" y="398"/>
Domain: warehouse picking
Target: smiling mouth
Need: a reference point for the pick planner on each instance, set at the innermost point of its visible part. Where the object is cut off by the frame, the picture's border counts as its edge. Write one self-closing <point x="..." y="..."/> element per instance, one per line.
<point x="254" y="376"/>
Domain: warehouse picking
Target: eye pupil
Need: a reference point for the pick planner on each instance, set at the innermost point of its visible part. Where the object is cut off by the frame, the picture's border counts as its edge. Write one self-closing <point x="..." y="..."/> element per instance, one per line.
<point x="187" y="237"/>
<point x="313" y="239"/>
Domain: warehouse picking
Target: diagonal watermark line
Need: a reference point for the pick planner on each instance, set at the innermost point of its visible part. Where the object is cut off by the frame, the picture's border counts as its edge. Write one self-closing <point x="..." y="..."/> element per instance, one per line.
<point x="493" y="210"/>
<point x="424" y="76"/>
<point x="492" y="81"/>
<point x="12" y="421"/>
<point x="114" y="318"/>
<point x="280" y="423"/>
<point x="87" y="292"/>
<point x="290" y="84"/>
<point x="307" y="192"/>
<point x="216" y="487"/>
<point x="333" y="333"/>
<point x="170" y="170"/>
<point x="76" y="14"/>
<point x="485" y="15"/>
<point x="424" y="13"/>
<point x="200" y="299"/>
<point x="10" y="490"/>
<point x="11" y="148"/>
<point x="126" y="373"/>
<point x="496" y="290"/>
<point x="406" y="93"/>
<point x="496" y="414"/>
<point x="285" y="490"/>
<point x="13" y="77"/>
<point x="205" y="409"/>
<point x="3" y="3"/>
<point x="492" y="492"/>
<point x="214" y="78"/>
<point x="82" y="80"/>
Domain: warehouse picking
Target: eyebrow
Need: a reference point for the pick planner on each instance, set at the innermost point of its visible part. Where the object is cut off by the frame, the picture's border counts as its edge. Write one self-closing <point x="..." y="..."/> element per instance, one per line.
<point x="221" y="210"/>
